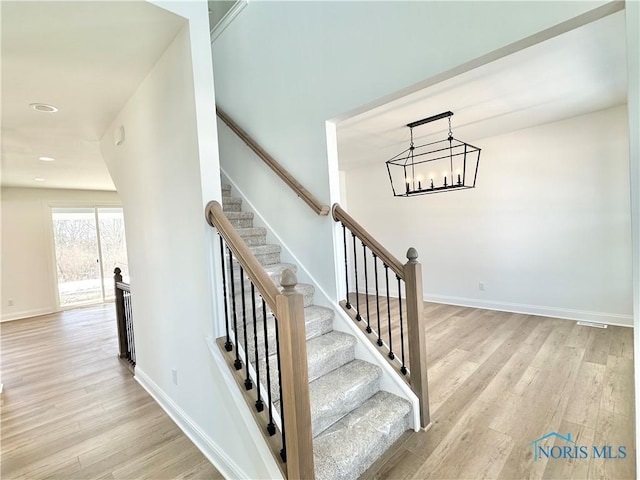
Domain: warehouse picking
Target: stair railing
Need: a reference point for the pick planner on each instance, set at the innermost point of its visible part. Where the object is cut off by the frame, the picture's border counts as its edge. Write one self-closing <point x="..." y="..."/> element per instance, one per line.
<point x="265" y="347"/>
<point x="271" y="162"/>
<point x="363" y="250"/>
<point x="124" y="321"/>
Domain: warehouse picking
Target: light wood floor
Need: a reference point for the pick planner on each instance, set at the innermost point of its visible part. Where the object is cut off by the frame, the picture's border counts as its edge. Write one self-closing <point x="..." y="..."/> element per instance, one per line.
<point x="498" y="381"/>
<point x="71" y="410"/>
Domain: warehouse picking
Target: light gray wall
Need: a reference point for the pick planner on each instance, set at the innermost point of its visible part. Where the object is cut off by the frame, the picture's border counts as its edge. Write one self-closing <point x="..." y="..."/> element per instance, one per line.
<point x="547" y="228"/>
<point x="28" y="256"/>
<point x="165" y="172"/>
<point x="632" y="12"/>
<point x="282" y="69"/>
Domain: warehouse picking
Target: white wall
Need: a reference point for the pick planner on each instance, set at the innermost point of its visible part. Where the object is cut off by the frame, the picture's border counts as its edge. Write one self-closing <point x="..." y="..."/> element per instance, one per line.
<point x="283" y="68"/>
<point x="28" y="257"/>
<point x="633" y="99"/>
<point x="165" y="172"/>
<point x="547" y="228"/>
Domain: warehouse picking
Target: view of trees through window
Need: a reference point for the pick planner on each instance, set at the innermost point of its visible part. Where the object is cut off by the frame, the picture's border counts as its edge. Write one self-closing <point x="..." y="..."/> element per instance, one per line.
<point x="89" y="244"/>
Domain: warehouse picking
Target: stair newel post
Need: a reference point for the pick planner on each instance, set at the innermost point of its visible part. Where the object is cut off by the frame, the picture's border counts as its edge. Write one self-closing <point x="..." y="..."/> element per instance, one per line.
<point x="294" y="379"/>
<point x="417" y="338"/>
<point x="120" y="321"/>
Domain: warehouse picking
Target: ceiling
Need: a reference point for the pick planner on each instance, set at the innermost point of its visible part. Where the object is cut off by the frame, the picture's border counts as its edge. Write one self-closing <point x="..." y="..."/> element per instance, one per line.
<point x="581" y="71"/>
<point x="87" y="59"/>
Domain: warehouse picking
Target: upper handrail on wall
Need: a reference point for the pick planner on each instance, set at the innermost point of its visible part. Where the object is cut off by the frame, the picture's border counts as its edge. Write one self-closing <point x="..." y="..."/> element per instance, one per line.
<point x="299" y="190"/>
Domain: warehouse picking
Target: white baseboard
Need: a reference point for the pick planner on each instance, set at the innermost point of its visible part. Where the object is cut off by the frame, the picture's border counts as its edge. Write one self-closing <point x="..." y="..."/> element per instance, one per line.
<point x="206" y="445"/>
<point x="7" y="317"/>
<point x="544" y="311"/>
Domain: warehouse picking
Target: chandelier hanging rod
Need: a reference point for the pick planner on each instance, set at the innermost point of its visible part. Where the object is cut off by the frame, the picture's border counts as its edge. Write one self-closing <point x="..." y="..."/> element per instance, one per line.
<point x="433" y="118"/>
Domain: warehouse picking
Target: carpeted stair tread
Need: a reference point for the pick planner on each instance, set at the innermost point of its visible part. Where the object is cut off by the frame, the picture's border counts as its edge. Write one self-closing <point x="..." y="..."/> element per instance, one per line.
<point x="231" y="204"/>
<point x="328" y="352"/>
<point x="253" y="236"/>
<point x="324" y="354"/>
<point x="240" y="219"/>
<point x="317" y="320"/>
<point x="337" y="393"/>
<point x="274" y="271"/>
<point x="268" y="254"/>
<point x="304" y="289"/>
<point x="345" y="450"/>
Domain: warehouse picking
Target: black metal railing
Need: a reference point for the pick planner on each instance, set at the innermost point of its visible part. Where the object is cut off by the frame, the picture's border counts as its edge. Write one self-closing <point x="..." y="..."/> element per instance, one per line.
<point x="252" y="330"/>
<point x="264" y="343"/>
<point x="124" y="320"/>
<point x="391" y="319"/>
<point x="381" y="311"/>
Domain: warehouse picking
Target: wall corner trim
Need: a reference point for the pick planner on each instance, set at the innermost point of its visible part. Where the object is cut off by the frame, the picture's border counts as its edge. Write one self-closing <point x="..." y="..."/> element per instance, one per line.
<point x="206" y="445"/>
<point x="227" y="19"/>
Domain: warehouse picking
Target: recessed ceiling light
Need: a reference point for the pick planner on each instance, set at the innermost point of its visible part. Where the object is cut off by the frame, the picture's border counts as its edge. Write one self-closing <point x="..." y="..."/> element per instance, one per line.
<point x="46" y="159"/>
<point x="38" y="179"/>
<point x="43" y="107"/>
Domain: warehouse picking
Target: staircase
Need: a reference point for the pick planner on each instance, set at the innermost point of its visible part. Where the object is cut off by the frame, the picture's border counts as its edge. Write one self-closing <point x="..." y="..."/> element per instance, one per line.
<point x="353" y="421"/>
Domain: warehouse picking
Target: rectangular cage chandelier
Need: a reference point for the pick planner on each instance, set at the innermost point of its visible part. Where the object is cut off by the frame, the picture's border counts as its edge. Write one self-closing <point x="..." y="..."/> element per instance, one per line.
<point x="440" y="166"/>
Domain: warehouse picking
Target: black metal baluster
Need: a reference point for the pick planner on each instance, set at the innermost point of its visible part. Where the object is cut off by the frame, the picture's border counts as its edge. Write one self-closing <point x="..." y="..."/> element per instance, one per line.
<point x="346" y="266"/>
<point x="271" y="427"/>
<point x="132" y="342"/>
<point x="248" y="384"/>
<point x="227" y="345"/>
<point x="128" y="317"/>
<point x="283" y="452"/>
<point x="355" y="266"/>
<point x="127" y="321"/>
<point x="375" y="268"/>
<point x="132" y="346"/>
<point x="259" y="403"/>
<point x="366" y="285"/>
<point x="237" y="362"/>
<point x="386" y="273"/>
<point x="403" y="369"/>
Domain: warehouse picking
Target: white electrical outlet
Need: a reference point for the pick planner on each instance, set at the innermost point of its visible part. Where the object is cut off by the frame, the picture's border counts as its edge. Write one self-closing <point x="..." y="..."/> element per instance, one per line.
<point x="481" y="286"/>
<point x="174" y="376"/>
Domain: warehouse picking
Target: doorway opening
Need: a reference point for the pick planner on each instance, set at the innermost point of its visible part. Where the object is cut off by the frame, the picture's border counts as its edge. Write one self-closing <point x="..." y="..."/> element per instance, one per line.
<point x="89" y="244"/>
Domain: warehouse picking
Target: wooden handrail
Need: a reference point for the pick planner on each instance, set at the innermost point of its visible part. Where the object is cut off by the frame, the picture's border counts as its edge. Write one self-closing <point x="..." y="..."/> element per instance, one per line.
<point x="339" y="215"/>
<point x="252" y="267"/>
<point x="271" y="162"/>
